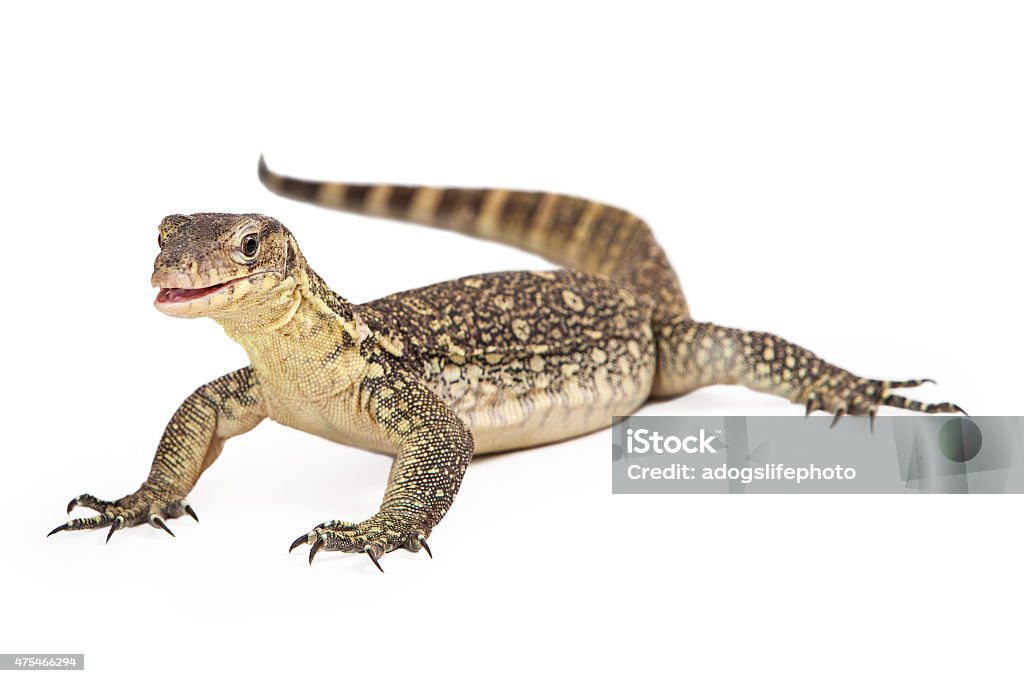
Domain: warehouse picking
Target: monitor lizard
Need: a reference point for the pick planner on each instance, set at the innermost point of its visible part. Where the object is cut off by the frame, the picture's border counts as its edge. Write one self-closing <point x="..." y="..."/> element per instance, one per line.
<point x="485" y="363"/>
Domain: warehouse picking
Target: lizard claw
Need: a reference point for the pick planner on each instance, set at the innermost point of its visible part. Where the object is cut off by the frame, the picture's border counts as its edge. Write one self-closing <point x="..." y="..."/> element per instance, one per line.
<point x="317" y="544"/>
<point x="118" y="523"/>
<point x="423" y="542"/>
<point x="843" y="393"/>
<point x="810" y="407"/>
<point x="87" y="501"/>
<point x="907" y="404"/>
<point x="376" y="536"/>
<point x="145" y="505"/>
<point x="158" y="521"/>
<point x="374" y="552"/>
<point x="301" y="540"/>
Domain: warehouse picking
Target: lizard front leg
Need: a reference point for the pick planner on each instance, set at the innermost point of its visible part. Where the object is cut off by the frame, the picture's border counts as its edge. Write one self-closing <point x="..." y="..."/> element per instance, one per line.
<point x="434" y="447"/>
<point x="694" y="354"/>
<point x="192" y="440"/>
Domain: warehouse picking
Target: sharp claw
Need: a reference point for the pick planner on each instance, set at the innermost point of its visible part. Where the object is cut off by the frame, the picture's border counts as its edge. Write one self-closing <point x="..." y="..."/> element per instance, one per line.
<point x="810" y="407"/>
<point x="72" y="505"/>
<point x="301" y="540"/>
<point x="317" y="544"/>
<point x="114" y="527"/>
<point x="839" y="414"/>
<point x="158" y="521"/>
<point x="928" y="381"/>
<point x="423" y="542"/>
<point x="871" y="419"/>
<point x="959" y="409"/>
<point x="191" y="512"/>
<point x="368" y="549"/>
<point x="62" y="527"/>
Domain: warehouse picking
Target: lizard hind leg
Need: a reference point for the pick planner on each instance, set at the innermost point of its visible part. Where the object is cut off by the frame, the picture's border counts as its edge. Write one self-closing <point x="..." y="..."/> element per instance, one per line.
<point x="694" y="354"/>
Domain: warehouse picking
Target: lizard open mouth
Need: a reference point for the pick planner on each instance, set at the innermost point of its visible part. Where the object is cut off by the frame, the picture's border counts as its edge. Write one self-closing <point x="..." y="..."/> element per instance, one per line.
<point x="174" y="295"/>
<point x="171" y="296"/>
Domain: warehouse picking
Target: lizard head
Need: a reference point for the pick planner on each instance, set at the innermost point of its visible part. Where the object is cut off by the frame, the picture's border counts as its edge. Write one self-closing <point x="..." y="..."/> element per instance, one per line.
<point x="213" y="264"/>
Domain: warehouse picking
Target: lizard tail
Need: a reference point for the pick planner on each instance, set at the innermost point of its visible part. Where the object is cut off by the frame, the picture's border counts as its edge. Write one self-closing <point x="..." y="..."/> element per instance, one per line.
<point x="574" y="233"/>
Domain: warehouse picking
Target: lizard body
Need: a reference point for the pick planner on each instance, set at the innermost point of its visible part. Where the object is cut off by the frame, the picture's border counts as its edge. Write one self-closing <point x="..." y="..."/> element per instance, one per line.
<point x="484" y="363"/>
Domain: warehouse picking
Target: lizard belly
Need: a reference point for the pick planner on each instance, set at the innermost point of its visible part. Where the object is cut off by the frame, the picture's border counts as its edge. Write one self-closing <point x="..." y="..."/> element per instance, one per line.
<point x="544" y="417"/>
<point x="546" y="396"/>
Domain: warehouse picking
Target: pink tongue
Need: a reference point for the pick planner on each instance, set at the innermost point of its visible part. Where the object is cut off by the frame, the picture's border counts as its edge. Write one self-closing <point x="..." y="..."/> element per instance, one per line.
<point x="172" y="295"/>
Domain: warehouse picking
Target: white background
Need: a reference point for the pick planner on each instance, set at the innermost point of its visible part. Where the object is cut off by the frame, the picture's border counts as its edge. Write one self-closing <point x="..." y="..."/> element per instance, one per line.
<point x="847" y="175"/>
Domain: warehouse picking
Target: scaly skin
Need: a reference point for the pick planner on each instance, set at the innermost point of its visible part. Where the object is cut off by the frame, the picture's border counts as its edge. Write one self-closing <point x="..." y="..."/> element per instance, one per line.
<point x="485" y="363"/>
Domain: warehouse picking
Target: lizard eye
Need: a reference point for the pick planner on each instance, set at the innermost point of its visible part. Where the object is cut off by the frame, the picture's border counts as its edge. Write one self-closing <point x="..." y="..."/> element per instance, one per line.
<point x="250" y="245"/>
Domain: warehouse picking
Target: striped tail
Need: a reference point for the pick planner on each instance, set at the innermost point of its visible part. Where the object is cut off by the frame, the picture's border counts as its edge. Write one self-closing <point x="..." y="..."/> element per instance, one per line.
<point x="574" y="233"/>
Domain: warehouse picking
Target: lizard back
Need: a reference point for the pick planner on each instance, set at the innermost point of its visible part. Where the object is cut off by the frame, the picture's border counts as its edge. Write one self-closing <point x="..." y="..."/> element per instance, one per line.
<point x="576" y="233"/>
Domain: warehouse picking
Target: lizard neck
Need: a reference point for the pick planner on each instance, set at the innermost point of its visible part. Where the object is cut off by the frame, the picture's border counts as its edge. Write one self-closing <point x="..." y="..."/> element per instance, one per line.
<point x="307" y="342"/>
<point x="264" y="319"/>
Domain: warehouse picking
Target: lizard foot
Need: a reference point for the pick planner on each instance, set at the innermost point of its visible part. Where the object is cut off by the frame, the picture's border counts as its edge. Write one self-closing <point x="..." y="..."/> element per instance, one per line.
<point x="842" y="393"/>
<point x="380" y="534"/>
<point x="141" y="506"/>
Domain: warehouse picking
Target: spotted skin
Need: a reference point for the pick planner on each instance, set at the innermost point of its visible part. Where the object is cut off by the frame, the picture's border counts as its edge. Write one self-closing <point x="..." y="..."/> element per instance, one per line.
<point x="480" y="364"/>
<point x="695" y="355"/>
<point x="525" y="357"/>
